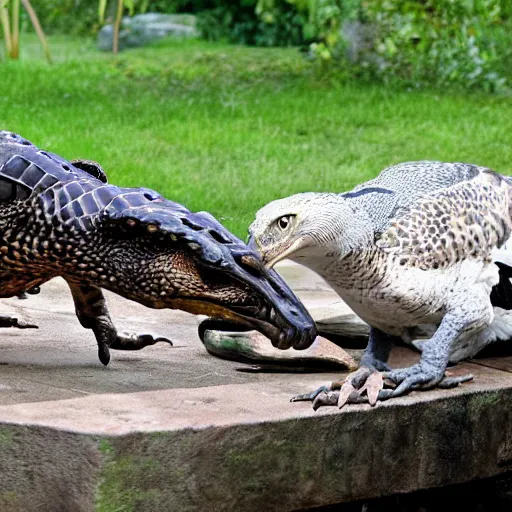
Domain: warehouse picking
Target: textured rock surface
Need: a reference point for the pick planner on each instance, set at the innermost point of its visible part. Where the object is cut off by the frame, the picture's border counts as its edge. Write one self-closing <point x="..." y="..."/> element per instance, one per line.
<point x="176" y="429"/>
<point x="142" y="29"/>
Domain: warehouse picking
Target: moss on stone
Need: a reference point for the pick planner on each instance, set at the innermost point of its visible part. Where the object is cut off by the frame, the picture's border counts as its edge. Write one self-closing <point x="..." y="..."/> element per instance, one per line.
<point x="118" y="489"/>
<point x="6" y="436"/>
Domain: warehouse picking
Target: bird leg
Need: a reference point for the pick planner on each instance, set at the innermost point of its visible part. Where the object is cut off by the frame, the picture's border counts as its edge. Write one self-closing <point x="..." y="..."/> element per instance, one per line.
<point x="366" y="379"/>
<point x="427" y="374"/>
<point x="92" y="313"/>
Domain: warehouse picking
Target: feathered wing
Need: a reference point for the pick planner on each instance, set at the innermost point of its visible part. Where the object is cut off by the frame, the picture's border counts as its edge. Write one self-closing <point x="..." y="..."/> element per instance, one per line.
<point x="468" y="220"/>
<point x="410" y="181"/>
<point x="399" y="187"/>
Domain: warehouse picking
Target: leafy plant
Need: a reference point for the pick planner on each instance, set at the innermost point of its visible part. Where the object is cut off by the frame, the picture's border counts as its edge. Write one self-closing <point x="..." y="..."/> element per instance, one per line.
<point x="10" y="21"/>
<point x="435" y="42"/>
<point x="242" y="22"/>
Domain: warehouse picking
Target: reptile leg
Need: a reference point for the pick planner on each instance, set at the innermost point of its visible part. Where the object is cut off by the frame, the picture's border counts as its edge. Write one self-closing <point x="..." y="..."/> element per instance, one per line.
<point x="365" y="380"/>
<point x="92" y="312"/>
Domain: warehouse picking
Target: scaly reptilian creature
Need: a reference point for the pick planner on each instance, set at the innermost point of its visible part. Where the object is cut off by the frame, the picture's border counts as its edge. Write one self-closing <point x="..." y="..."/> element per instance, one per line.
<point x="59" y="218"/>
<point x="421" y="245"/>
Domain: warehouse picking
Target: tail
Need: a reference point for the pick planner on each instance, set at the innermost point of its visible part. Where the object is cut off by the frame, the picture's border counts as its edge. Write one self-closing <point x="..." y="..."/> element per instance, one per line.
<point x="501" y="293"/>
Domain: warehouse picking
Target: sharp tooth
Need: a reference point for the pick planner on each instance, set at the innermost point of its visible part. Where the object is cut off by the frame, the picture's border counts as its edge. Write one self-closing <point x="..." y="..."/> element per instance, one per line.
<point x="272" y="314"/>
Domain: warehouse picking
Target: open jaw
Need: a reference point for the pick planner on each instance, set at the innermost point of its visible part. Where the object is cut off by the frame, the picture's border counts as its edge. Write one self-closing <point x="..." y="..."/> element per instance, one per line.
<point x="240" y="290"/>
<point x="259" y="315"/>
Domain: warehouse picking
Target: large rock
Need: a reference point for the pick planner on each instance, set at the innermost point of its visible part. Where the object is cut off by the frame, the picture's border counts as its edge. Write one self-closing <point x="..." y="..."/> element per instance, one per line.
<point x="359" y="39"/>
<point x="142" y="29"/>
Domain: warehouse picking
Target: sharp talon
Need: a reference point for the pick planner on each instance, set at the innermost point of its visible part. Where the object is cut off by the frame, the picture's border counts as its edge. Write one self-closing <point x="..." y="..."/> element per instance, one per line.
<point x="104" y="353"/>
<point x="13" y="321"/>
<point x="374" y="383"/>
<point x="165" y="340"/>
<point x="134" y="342"/>
<point x="389" y="383"/>
<point x="147" y="339"/>
<point x="345" y="393"/>
<point x="23" y="324"/>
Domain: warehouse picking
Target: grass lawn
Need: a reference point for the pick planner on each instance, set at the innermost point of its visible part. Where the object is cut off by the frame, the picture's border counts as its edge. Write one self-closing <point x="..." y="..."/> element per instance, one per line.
<point x="227" y="129"/>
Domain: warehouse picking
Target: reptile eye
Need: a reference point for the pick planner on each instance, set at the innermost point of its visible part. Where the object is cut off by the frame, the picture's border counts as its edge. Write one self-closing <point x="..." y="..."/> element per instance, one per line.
<point x="284" y="222"/>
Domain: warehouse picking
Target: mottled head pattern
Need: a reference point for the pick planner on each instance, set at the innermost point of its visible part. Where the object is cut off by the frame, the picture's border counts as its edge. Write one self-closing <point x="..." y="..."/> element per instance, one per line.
<point x="64" y="219"/>
<point x="309" y="225"/>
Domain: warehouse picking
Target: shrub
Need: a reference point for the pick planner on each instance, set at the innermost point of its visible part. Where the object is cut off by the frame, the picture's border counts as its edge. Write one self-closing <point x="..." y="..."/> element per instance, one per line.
<point x="79" y="17"/>
<point x="436" y="42"/>
<point x="68" y="16"/>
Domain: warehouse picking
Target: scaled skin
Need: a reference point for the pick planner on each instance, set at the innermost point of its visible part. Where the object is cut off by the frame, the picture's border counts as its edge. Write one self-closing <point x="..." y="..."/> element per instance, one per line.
<point x="59" y="218"/>
<point x="417" y="246"/>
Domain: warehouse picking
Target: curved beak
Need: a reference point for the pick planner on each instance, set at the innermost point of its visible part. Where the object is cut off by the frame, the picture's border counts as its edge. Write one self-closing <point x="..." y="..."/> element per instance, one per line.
<point x="269" y="257"/>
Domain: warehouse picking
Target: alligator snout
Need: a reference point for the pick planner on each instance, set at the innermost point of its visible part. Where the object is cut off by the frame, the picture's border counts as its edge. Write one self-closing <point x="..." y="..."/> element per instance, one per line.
<point x="299" y="333"/>
<point x="279" y="315"/>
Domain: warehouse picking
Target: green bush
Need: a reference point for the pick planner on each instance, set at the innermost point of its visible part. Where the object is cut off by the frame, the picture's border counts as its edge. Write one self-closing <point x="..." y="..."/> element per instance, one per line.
<point x="418" y="42"/>
<point x="436" y="42"/>
<point x="68" y="16"/>
<point x="240" y="23"/>
<point x="237" y="21"/>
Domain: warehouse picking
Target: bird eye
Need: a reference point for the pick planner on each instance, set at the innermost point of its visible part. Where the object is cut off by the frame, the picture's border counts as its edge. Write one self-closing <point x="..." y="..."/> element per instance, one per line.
<point x="283" y="223"/>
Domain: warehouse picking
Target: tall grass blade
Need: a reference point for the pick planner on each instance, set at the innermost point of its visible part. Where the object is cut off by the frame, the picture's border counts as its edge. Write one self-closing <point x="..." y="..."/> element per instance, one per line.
<point x="15" y="24"/>
<point x="6" y="27"/>
<point x="37" y="27"/>
<point x="117" y="26"/>
<point x="102" y="7"/>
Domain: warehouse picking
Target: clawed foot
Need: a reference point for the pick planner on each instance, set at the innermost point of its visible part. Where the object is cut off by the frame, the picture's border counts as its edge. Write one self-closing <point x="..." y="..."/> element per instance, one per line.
<point x="128" y="342"/>
<point x="361" y="386"/>
<point x="13" y="321"/>
<point x="367" y="385"/>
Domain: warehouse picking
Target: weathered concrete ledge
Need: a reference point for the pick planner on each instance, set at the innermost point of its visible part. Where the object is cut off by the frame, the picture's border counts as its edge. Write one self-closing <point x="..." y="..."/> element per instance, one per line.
<point x="176" y="429"/>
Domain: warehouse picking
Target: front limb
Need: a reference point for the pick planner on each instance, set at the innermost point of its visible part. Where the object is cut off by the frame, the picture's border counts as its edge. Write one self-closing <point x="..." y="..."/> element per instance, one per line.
<point x="363" y="380"/>
<point x="428" y="373"/>
<point x="92" y="312"/>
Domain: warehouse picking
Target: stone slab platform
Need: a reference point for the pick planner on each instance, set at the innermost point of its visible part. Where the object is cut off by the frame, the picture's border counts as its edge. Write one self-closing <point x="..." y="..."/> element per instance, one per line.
<point x="173" y="428"/>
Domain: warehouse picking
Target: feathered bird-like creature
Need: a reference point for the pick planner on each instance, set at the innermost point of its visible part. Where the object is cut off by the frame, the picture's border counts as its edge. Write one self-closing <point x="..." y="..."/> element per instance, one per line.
<point x="422" y="245"/>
